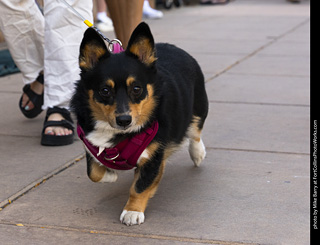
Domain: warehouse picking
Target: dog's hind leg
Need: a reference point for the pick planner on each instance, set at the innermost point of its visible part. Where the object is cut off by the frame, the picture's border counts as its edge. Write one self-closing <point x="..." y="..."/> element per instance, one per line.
<point x="197" y="149"/>
<point x="99" y="173"/>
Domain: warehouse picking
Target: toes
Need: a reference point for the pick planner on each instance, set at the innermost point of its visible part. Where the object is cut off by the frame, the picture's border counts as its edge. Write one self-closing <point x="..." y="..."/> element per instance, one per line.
<point x="68" y="131"/>
<point x="59" y="131"/>
<point x="29" y="107"/>
<point x="26" y="103"/>
<point x="48" y="131"/>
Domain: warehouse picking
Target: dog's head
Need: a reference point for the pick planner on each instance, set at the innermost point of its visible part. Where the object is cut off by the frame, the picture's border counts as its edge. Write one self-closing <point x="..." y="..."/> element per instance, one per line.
<point x="120" y="87"/>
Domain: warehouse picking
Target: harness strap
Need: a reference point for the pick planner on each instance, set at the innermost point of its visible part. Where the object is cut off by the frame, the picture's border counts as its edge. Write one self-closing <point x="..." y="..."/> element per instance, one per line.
<point x="123" y="156"/>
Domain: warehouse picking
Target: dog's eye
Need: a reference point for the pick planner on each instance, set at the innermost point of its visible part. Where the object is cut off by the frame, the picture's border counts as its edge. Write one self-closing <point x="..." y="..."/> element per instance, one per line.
<point x="105" y="92"/>
<point x="137" y="90"/>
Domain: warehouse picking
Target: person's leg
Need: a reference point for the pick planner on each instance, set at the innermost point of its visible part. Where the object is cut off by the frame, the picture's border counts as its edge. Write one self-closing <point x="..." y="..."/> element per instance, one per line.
<point x="23" y="27"/>
<point x="103" y="22"/>
<point x="63" y="34"/>
<point x="126" y="15"/>
<point x="101" y="6"/>
<point x="22" y="24"/>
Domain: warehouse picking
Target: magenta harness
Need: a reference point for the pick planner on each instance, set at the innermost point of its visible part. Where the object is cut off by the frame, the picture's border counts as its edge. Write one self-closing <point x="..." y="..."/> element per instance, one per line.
<point x="123" y="156"/>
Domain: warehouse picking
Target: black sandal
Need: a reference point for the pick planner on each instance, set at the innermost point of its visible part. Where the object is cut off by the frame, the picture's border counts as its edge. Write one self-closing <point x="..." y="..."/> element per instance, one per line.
<point x="36" y="99"/>
<point x="55" y="140"/>
<point x="209" y="2"/>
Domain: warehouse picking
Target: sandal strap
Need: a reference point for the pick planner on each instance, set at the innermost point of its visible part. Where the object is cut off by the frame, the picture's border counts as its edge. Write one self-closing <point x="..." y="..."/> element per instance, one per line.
<point x="62" y="111"/>
<point x="62" y="123"/>
<point x="40" y="78"/>
<point x="33" y="97"/>
<point x="66" y="123"/>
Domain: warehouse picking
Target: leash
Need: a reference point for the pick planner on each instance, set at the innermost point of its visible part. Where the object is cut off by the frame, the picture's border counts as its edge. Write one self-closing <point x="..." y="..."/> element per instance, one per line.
<point x="114" y="45"/>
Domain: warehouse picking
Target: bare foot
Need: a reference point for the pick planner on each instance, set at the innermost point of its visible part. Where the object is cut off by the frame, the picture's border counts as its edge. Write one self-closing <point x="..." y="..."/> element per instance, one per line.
<point x="59" y="131"/>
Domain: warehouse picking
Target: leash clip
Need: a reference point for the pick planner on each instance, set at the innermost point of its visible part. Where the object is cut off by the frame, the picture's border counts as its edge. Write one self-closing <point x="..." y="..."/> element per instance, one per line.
<point x="115" y="46"/>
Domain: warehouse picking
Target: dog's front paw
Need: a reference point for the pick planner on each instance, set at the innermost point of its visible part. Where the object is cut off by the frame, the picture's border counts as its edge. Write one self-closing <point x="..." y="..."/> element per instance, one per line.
<point x="132" y="217"/>
<point x="109" y="176"/>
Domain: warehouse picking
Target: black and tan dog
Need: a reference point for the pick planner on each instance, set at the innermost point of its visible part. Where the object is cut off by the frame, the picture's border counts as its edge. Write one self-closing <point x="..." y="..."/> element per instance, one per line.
<point x="123" y="95"/>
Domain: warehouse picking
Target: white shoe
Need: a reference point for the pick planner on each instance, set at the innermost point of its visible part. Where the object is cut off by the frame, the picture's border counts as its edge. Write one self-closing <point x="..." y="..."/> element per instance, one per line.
<point x="104" y="23"/>
<point x="105" y="27"/>
<point x="151" y="13"/>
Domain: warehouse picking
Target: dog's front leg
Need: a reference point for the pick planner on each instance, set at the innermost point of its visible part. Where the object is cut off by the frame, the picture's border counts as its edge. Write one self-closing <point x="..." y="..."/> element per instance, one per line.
<point x="98" y="172"/>
<point x="146" y="181"/>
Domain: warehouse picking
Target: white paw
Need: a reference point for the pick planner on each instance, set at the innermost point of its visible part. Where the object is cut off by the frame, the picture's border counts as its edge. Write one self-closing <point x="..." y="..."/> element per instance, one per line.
<point x="132" y="217"/>
<point x="197" y="152"/>
<point x="109" y="176"/>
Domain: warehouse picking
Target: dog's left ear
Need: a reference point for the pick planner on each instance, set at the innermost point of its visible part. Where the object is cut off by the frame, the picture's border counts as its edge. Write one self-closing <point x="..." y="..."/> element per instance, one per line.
<point x="92" y="48"/>
<point x="141" y="44"/>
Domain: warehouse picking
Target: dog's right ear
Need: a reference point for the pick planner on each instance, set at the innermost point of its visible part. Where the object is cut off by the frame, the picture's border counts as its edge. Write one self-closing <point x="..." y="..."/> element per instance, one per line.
<point x="92" y="48"/>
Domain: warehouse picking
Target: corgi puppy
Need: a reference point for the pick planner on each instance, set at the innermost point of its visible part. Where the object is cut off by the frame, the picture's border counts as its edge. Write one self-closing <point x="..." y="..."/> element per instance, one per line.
<point x="135" y="108"/>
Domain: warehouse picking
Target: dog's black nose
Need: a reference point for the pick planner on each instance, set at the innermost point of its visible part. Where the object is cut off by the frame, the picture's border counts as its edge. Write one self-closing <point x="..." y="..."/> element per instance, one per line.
<point x="124" y="120"/>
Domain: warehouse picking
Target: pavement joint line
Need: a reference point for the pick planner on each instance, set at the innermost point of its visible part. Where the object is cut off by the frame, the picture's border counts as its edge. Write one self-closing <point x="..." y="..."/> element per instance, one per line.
<point x="272" y="41"/>
<point x="40" y="181"/>
<point x="258" y="151"/>
<point x="9" y="92"/>
<point x="257" y="103"/>
<point x="267" y="75"/>
<point x="126" y="234"/>
<point x="30" y="136"/>
<point x="20" y="136"/>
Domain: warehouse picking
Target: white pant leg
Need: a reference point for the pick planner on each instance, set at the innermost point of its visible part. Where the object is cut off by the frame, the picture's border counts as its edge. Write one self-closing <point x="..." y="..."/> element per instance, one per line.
<point x="63" y="34"/>
<point x="22" y="24"/>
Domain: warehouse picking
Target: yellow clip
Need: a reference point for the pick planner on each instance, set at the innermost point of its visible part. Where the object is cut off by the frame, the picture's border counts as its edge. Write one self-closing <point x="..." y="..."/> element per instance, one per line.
<point x="88" y="23"/>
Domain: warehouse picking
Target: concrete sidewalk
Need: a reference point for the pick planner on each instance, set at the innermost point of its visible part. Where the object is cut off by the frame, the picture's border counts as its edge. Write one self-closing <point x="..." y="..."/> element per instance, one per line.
<point x="252" y="188"/>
